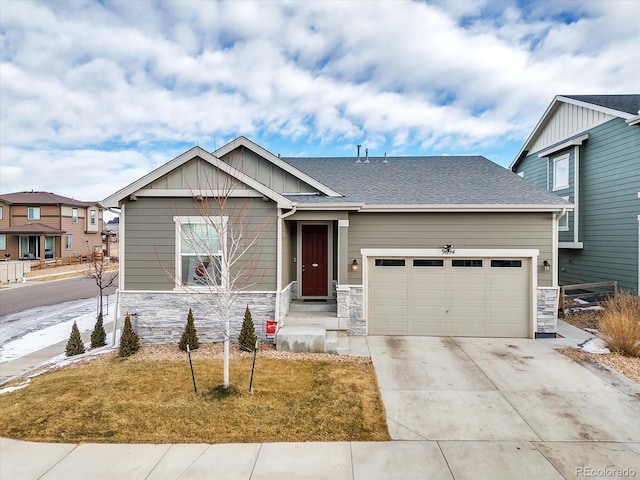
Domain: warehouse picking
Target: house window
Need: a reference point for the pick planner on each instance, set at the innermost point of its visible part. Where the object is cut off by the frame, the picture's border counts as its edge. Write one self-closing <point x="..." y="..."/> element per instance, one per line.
<point x="563" y="223"/>
<point x="68" y="242"/>
<point x="92" y="218"/>
<point x="3" y="242"/>
<point x="466" y="263"/>
<point x="561" y="172"/>
<point x="389" y="262"/>
<point x="33" y="213"/>
<point x="1" y="212"/>
<point x="506" y="263"/>
<point x="199" y="250"/>
<point x="428" y="262"/>
<point x="74" y="215"/>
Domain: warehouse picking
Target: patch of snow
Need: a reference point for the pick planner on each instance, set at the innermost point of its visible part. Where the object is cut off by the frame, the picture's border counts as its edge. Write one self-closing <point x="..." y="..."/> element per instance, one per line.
<point x="34" y="341"/>
<point x="595" y="345"/>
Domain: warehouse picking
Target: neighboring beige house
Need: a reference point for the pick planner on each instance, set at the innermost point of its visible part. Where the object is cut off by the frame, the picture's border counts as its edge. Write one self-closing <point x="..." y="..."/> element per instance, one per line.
<point x="43" y="225"/>
<point x="366" y="236"/>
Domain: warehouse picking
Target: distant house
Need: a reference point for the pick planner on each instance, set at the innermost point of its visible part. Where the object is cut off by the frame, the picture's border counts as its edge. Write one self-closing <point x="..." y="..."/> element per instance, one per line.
<point x="41" y="225"/>
<point x="586" y="149"/>
<point x="453" y="246"/>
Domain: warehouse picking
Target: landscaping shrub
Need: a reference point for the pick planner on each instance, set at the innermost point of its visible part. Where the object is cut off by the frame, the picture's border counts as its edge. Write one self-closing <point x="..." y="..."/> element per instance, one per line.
<point x="620" y="324"/>
<point x="129" y="340"/>
<point x="189" y="336"/>
<point x="98" y="336"/>
<point x="74" y="345"/>
<point x="247" y="338"/>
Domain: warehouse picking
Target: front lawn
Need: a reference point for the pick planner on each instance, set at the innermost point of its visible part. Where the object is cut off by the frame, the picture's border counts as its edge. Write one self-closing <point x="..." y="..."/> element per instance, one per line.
<point x="150" y="400"/>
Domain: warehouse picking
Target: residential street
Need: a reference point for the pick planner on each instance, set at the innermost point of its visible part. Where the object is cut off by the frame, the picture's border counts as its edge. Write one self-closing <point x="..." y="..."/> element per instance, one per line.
<point x="36" y="294"/>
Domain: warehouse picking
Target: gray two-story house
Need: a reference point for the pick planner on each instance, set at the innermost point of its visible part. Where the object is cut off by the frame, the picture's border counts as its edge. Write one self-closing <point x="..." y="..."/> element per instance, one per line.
<point x="586" y="149"/>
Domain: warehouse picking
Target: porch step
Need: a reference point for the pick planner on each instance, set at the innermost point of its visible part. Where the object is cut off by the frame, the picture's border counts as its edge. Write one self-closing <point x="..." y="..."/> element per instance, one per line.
<point x="319" y="306"/>
<point x="343" y="345"/>
<point x="301" y="338"/>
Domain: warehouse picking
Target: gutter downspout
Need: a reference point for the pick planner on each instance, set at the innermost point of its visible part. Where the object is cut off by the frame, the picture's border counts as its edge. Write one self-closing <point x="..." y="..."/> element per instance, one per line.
<point x="281" y="218"/>
<point x="555" y="254"/>
<point x="121" y="260"/>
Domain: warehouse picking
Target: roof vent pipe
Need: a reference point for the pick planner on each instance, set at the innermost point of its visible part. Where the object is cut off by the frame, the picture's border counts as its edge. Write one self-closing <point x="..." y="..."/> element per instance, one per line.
<point x="385" y="158"/>
<point x="366" y="153"/>
<point x="358" y="157"/>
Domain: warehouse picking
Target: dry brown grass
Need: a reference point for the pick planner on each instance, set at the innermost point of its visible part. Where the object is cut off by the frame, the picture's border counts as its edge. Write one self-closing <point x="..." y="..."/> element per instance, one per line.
<point x="145" y="400"/>
<point x="620" y="324"/>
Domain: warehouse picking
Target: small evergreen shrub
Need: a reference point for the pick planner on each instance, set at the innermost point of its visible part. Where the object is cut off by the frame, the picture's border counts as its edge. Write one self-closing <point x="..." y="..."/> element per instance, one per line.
<point x="98" y="336"/>
<point x="74" y="345"/>
<point x="620" y="324"/>
<point x="129" y="340"/>
<point x="247" y="338"/>
<point x="189" y="336"/>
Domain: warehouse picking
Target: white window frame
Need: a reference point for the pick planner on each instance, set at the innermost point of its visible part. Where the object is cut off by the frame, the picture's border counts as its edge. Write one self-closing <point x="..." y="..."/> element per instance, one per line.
<point x="93" y="216"/>
<point x="3" y="242"/>
<point x="1" y="210"/>
<point x="68" y="242"/>
<point x="557" y="161"/>
<point x="33" y="213"/>
<point x="220" y="229"/>
<point x="74" y="215"/>
<point x="563" y="221"/>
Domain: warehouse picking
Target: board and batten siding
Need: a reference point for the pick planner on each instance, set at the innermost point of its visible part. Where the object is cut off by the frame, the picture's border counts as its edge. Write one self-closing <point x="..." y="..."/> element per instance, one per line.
<point x="150" y="249"/>
<point x="464" y="230"/>
<point x="270" y="175"/>
<point x="609" y="209"/>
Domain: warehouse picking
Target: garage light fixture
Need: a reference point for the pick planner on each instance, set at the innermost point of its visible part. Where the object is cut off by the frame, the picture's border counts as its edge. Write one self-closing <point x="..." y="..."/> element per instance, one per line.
<point x="546" y="265"/>
<point x="448" y="249"/>
<point x="354" y="266"/>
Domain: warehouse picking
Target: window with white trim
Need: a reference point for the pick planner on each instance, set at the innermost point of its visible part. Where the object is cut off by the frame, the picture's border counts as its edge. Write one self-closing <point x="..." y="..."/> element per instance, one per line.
<point x="561" y="172"/>
<point x="68" y="242"/>
<point x="74" y="215"/>
<point x="92" y="217"/>
<point x="563" y="223"/>
<point x="199" y="250"/>
<point x="3" y="242"/>
<point x="1" y="211"/>
<point x="33" y="213"/>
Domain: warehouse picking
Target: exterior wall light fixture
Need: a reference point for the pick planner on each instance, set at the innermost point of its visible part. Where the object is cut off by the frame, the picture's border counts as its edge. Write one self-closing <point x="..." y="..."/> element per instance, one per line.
<point x="354" y="266"/>
<point x="546" y="265"/>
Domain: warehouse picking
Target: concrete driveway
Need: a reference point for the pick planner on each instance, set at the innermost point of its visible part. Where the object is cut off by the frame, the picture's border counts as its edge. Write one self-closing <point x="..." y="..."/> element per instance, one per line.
<point x="512" y="403"/>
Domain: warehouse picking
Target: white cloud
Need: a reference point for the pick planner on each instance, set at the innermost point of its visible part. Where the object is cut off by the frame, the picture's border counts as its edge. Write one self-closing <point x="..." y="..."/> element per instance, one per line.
<point x="126" y="85"/>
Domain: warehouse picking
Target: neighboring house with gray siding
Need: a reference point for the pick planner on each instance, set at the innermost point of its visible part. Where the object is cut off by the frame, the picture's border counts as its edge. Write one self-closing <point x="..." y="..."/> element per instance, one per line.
<point x="454" y="246"/>
<point x="586" y="148"/>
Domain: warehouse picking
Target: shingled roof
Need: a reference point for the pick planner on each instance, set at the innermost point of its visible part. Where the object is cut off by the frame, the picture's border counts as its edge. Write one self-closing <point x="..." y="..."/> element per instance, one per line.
<point x="421" y="181"/>
<point x="41" y="198"/>
<point x="622" y="103"/>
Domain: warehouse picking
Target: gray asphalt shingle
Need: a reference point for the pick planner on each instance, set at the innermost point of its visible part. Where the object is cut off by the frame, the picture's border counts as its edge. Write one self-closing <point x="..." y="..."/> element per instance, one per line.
<point x="623" y="103"/>
<point x="443" y="180"/>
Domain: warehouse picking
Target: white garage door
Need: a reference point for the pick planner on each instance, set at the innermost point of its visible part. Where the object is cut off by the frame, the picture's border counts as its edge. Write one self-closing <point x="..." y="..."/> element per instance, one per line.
<point x="475" y="297"/>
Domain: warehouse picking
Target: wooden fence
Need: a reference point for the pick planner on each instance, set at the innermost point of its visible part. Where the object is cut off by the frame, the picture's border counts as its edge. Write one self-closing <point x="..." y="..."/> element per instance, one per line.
<point x="591" y="294"/>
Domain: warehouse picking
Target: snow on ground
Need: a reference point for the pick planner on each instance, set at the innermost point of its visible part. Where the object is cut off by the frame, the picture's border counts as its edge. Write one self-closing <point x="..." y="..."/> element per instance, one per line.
<point x="47" y="326"/>
<point x="595" y="345"/>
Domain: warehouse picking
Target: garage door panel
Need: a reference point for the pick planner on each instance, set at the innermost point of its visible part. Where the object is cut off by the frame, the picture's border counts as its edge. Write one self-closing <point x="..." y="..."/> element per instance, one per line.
<point x="428" y="296"/>
<point x="465" y="300"/>
<point x="429" y="328"/>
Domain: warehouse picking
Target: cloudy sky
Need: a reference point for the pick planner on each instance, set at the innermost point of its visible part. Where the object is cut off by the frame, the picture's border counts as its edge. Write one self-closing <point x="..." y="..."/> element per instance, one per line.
<point x="95" y="94"/>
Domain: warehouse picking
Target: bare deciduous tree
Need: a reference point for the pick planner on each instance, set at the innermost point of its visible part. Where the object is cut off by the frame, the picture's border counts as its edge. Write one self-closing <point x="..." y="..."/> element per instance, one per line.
<point x="218" y="252"/>
<point x="101" y="273"/>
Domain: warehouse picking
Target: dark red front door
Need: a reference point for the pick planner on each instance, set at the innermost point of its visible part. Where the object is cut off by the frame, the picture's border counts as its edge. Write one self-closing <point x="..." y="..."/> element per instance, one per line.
<point x="314" y="260"/>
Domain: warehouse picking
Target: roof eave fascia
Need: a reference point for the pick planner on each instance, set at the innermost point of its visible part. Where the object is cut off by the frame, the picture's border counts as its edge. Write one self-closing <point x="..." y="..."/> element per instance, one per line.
<point x="593" y="106"/>
<point x="488" y="208"/>
<point x="525" y="145"/>
<point x="633" y="120"/>
<point x="329" y="206"/>
<point x="258" y="150"/>
<point x="579" y="140"/>
<point x="113" y="201"/>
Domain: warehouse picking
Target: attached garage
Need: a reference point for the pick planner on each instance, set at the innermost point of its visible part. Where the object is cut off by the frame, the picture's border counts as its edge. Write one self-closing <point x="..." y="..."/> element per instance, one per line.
<point x="472" y="293"/>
